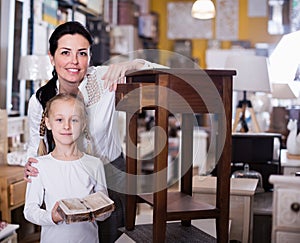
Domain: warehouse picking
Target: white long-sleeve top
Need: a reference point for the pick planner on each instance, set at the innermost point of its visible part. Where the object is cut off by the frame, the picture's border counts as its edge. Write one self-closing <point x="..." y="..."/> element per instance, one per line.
<point x="103" y="118"/>
<point x="60" y="180"/>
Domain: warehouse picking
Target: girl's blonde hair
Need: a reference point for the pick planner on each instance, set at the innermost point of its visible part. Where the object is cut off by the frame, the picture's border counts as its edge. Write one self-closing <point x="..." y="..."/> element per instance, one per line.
<point x="42" y="149"/>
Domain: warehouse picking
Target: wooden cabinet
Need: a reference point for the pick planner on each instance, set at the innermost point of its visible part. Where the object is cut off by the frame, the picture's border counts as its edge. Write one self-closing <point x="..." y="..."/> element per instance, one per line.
<point x="12" y="190"/>
<point x="286" y="209"/>
<point x="289" y="166"/>
<point x="184" y="91"/>
<point x="241" y="203"/>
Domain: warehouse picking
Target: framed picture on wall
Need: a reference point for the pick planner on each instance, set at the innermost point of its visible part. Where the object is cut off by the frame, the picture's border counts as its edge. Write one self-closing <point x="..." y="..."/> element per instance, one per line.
<point x="187" y="27"/>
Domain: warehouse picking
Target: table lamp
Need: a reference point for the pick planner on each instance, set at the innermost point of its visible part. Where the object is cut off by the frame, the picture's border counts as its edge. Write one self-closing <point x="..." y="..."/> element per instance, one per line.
<point x="252" y="75"/>
<point x="36" y="68"/>
<point x="285" y="91"/>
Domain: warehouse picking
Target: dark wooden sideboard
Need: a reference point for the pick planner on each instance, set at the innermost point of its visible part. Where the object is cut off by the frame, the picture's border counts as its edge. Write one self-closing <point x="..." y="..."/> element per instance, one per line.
<point x="184" y="91"/>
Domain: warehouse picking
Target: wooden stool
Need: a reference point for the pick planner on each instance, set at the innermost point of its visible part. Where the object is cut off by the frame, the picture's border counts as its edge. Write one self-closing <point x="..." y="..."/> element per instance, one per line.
<point x="207" y="91"/>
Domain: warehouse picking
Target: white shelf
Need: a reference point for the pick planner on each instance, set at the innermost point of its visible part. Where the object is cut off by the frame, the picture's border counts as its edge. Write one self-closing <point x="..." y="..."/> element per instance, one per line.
<point x="8" y="230"/>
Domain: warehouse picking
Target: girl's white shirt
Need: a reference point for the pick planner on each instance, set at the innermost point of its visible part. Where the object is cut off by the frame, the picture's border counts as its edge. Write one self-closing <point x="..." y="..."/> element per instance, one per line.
<point x="58" y="180"/>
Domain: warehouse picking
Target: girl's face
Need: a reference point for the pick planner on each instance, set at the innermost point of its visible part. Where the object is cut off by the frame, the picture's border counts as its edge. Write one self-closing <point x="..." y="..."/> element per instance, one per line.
<point x="66" y="120"/>
<point x="71" y="60"/>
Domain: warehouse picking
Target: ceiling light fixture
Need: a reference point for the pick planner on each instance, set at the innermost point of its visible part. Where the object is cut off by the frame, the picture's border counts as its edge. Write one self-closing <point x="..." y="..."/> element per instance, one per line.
<point x="203" y="9"/>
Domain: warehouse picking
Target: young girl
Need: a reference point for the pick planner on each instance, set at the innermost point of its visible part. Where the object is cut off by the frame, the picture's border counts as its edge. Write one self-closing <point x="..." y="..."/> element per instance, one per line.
<point x="64" y="173"/>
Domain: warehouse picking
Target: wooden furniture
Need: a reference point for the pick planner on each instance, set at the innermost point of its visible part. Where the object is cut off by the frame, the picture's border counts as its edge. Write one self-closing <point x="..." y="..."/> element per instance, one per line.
<point x="241" y="203"/>
<point x="289" y="166"/>
<point x="286" y="209"/>
<point x="260" y="150"/>
<point x="185" y="91"/>
<point x="12" y="185"/>
<point x="12" y="190"/>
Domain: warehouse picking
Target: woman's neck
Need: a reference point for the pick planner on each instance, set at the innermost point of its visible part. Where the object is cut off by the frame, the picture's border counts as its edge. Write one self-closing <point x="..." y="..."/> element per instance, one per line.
<point x="64" y="87"/>
<point x="69" y="89"/>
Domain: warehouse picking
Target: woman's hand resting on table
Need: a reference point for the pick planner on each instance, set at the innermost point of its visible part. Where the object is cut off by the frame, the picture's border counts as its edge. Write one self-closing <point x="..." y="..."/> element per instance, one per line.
<point x="29" y="170"/>
<point x="116" y="72"/>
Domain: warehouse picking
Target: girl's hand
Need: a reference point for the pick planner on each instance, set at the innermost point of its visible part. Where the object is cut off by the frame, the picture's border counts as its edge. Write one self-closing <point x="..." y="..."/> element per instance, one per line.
<point x="29" y="170"/>
<point x="55" y="215"/>
<point x="116" y="72"/>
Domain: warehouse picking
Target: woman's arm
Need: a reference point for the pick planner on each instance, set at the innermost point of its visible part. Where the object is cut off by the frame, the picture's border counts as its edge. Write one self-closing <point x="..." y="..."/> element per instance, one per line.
<point x="35" y="111"/>
<point x="116" y="72"/>
<point x="34" y="118"/>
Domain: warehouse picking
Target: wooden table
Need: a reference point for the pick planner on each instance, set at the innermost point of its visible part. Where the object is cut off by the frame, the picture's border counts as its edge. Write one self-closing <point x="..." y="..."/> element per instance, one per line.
<point x="12" y="190"/>
<point x="185" y="91"/>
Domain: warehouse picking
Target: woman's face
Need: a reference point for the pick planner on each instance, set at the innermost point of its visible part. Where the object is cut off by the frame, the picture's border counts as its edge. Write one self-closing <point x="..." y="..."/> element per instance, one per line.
<point x="71" y="60"/>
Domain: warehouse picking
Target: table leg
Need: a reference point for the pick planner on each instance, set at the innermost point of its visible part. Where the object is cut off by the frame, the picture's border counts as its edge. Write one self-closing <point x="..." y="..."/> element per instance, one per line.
<point x="187" y="157"/>
<point x="131" y="169"/>
<point x="160" y="170"/>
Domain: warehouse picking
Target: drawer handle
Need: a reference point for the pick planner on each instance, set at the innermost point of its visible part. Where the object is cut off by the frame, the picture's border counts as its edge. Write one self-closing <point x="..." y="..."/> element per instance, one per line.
<point x="295" y="207"/>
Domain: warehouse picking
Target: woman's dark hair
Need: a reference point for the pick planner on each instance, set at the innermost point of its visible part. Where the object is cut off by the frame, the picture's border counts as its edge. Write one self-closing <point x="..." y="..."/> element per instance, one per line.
<point x="71" y="28"/>
<point x="49" y="90"/>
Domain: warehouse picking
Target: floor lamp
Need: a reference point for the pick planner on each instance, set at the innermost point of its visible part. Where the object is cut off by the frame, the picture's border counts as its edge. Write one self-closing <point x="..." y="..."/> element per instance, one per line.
<point x="252" y="76"/>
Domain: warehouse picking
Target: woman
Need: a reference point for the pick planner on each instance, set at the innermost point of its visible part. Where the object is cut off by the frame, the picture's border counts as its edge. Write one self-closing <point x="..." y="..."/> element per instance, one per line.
<point x="69" y="52"/>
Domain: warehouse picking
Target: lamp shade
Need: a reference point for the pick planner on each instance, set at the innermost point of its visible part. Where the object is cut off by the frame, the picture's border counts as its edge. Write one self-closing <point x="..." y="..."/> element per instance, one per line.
<point x="285" y="58"/>
<point x="285" y="90"/>
<point x="34" y="67"/>
<point x="252" y="73"/>
<point x="203" y="9"/>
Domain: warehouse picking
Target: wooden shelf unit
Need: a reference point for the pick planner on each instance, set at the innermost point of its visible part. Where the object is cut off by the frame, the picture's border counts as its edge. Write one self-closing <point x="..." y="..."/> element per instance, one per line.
<point x="208" y="91"/>
<point x="13" y="132"/>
